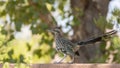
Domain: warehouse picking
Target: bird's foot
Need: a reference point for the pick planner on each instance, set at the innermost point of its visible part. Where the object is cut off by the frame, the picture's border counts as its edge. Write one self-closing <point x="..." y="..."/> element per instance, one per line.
<point x="57" y="62"/>
<point x="63" y="63"/>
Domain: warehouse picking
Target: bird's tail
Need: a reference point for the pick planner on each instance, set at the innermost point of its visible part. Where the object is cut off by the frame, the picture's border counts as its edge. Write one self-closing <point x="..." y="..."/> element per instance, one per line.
<point x="96" y="39"/>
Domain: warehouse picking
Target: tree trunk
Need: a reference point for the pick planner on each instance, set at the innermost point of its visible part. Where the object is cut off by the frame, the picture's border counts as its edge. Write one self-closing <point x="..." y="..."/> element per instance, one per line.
<point x="91" y="9"/>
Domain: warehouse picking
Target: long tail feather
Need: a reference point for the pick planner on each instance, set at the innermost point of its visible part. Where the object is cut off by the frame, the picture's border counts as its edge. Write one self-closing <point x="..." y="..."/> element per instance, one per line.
<point x="99" y="38"/>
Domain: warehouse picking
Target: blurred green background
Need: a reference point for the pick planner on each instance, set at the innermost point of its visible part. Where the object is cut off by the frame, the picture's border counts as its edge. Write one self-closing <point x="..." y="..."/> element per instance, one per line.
<point x="24" y="24"/>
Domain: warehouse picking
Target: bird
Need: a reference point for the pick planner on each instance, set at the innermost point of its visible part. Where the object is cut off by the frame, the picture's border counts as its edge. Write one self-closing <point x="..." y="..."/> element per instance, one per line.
<point x="67" y="47"/>
<point x="63" y="45"/>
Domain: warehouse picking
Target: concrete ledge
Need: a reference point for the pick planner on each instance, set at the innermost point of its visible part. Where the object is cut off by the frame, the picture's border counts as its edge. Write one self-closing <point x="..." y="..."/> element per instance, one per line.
<point x="76" y="66"/>
<point x="70" y="65"/>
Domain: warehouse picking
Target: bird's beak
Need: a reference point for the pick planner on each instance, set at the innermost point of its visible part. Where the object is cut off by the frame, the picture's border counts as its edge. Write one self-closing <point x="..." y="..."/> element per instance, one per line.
<point x="50" y="30"/>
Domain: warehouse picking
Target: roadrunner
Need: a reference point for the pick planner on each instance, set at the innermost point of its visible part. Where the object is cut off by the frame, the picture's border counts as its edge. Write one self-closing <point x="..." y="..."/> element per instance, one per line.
<point x="66" y="47"/>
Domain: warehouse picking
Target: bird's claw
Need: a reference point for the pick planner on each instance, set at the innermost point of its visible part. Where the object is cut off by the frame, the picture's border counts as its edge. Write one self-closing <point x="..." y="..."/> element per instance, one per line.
<point x="57" y="62"/>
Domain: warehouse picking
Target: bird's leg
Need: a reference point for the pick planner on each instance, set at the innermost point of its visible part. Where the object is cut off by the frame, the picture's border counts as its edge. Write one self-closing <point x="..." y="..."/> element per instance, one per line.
<point x="62" y="58"/>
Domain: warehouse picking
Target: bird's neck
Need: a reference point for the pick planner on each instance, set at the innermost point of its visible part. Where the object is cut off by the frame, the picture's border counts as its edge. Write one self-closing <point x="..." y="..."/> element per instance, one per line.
<point x="57" y="35"/>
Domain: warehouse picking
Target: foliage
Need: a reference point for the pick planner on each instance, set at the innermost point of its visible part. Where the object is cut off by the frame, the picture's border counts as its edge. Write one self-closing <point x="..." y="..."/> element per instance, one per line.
<point x="112" y="49"/>
<point x="15" y="14"/>
<point x="116" y="13"/>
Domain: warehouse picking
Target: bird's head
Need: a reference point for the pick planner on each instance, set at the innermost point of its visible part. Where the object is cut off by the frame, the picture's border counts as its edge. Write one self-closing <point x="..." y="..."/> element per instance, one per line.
<point x="55" y="30"/>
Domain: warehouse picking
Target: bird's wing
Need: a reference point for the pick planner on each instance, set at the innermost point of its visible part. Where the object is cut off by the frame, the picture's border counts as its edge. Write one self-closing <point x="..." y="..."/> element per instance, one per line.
<point x="68" y="43"/>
